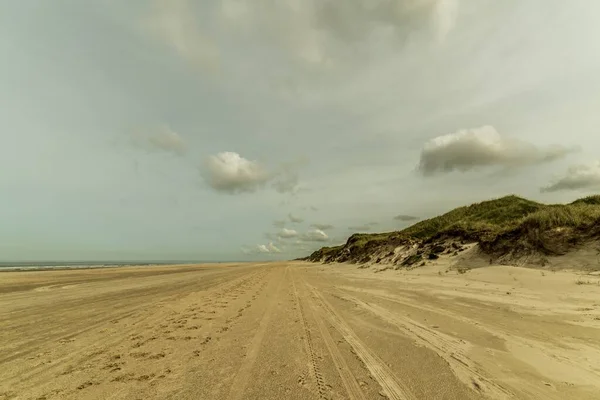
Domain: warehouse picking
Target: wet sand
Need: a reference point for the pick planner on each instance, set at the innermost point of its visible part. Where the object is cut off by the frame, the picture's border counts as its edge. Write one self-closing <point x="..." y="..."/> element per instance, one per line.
<point x="299" y="331"/>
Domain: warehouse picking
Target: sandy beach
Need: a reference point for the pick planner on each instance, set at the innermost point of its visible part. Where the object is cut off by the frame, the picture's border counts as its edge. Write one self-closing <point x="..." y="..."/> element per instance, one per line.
<point x="299" y="331"/>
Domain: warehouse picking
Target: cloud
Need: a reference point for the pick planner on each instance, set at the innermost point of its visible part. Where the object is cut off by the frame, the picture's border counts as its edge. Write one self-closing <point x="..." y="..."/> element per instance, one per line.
<point x="163" y="139"/>
<point x="405" y="218"/>
<point x="271" y="236"/>
<point x="352" y="21"/>
<point x="315" y="235"/>
<point x="286" y="182"/>
<point x="230" y="173"/>
<point x="286" y="179"/>
<point x="444" y="17"/>
<point x="363" y="228"/>
<point x="320" y="33"/>
<point x="322" y="227"/>
<point x="295" y="219"/>
<point x="175" y="23"/>
<point x="279" y="223"/>
<point x="577" y="177"/>
<point x="472" y="149"/>
<point x="287" y="233"/>
<point x="268" y="248"/>
<point x="272" y="248"/>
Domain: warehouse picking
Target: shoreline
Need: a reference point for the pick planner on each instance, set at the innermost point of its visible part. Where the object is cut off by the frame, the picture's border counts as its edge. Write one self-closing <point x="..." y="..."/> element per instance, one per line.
<point x="8" y="267"/>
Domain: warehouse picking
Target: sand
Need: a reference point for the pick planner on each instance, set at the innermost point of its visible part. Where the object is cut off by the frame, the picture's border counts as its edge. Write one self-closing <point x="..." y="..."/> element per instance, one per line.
<point x="299" y="331"/>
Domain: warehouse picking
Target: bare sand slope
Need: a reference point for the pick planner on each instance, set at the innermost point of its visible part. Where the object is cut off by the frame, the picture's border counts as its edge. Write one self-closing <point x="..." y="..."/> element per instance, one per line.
<point x="298" y="331"/>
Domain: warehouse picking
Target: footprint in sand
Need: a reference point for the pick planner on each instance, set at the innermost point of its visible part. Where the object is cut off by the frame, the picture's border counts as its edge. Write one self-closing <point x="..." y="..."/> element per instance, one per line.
<point x="85" y="385"/>
<point x="139" y="354"/>
<point x="113" y="367"/>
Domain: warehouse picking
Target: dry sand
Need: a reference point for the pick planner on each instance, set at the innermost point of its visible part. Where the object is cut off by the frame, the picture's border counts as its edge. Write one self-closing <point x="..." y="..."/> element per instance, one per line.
<point x="299" y="331"/>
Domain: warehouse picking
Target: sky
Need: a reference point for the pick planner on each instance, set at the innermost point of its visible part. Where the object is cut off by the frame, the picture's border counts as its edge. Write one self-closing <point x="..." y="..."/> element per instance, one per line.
<point x="265" y="129"/>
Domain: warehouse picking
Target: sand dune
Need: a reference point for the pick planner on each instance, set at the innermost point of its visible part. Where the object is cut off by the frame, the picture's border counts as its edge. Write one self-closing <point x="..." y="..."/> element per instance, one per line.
<point x="299" y="331"/>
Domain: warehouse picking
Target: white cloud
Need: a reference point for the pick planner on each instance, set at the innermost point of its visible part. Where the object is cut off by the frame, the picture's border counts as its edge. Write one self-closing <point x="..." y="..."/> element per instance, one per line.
<point x="315" y="235"/>
<point x="262" y="248"/>
<point x="577" y="177"/>
<point x="471" y="149"/>
<point x="164" y="139"/>
<point x="272" y="248"/>
<point x="287" y="233"/>
<point x="176" y="24"/>
<point x="265" y="248"/>
<point x="228" y="172"/>
<point x="295" y="219"/>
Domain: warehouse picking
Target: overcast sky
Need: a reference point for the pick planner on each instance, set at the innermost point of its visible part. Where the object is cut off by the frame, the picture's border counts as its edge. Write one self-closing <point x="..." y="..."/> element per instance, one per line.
<point x="231" y="129"/>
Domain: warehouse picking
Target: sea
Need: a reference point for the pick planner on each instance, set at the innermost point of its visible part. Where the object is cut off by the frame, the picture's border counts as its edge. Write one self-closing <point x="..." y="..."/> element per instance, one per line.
<point x="54" y="265"/>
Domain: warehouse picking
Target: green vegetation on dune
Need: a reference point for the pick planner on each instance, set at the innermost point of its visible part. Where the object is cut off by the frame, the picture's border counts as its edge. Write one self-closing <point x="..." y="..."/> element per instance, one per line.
<point x="574" y="215"/>
<point x="498" y="224"/>
<point x="490" y="216"/>
<point x="594" y="200"/>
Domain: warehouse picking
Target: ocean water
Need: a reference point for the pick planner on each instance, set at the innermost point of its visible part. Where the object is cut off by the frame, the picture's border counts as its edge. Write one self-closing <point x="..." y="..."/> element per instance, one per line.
<point x="48" y="265"/>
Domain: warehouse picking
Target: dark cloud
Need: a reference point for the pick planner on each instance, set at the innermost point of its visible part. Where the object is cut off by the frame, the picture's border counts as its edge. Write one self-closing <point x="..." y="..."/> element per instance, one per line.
<point x="577" y="177"/>
<point x="352" y="21"/>
<point x="472" y="149"/>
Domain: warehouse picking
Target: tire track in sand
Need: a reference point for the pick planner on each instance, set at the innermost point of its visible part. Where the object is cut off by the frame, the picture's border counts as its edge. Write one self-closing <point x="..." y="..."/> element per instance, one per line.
<point x="448" y="348"/>
<point x="308" y="345"/>
<point x="240" y="381"/>
<point x="393" y="389"/>
<point x="350" y="384"/>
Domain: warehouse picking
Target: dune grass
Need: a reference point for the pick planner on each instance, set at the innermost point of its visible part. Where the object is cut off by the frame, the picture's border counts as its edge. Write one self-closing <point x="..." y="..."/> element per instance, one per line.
<point x="487" y="216"/>
<point x="488" y="219"/>
<point x="594" y="200"/>
<point x="574" y="215"/>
